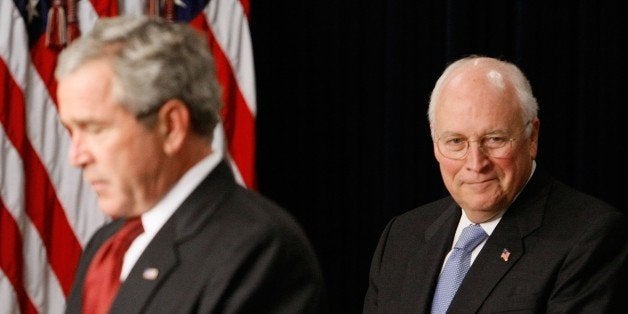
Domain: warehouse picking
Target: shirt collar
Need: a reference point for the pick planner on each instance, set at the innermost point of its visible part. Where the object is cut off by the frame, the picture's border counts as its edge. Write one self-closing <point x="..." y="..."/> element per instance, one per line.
<point x="156" y="217"/>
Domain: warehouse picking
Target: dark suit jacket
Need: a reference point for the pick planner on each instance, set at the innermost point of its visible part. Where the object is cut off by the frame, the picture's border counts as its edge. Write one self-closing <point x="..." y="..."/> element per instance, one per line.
<point x="224" y="250"/>
<point x="566" y="252"/>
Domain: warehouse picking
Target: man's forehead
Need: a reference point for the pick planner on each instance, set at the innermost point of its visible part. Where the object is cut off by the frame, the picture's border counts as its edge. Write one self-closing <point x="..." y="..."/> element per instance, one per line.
<point x="480" y="75"/>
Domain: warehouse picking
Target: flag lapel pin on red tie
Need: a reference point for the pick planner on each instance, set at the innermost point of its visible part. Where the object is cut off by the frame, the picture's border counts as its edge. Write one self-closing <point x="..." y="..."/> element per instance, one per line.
<point x="505" y="255"/>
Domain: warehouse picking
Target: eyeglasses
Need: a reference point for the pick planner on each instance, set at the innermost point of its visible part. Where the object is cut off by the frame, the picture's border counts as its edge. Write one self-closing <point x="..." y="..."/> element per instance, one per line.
<point x="493" y="145"/>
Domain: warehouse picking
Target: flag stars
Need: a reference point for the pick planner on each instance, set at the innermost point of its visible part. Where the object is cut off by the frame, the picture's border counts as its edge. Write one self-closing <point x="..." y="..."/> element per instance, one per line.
<point x="31" y="10"/>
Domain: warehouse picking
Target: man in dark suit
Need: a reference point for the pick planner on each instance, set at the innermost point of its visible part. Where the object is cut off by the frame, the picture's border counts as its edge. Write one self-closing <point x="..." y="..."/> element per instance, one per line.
<point x="140" y="100"/>
<point x="541" y="246"/>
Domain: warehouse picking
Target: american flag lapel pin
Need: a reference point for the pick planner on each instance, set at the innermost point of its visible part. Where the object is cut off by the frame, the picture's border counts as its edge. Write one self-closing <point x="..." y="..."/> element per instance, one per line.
<point x="150" y="273"/>
<point x="505" y="255"/>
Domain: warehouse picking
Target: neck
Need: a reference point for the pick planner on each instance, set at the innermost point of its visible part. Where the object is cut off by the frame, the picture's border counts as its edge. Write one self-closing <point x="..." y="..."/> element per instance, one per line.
<point x="479" y="217"/>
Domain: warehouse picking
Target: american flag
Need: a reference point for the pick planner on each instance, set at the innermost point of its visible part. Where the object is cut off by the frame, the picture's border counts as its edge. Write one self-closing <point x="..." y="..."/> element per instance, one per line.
<point x="47" y="214"/>
<point x="505" y="255"/>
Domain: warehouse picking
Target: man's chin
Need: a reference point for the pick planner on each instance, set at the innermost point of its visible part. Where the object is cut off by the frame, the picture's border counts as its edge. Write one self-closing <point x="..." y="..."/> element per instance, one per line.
<point x="110" y="210"/>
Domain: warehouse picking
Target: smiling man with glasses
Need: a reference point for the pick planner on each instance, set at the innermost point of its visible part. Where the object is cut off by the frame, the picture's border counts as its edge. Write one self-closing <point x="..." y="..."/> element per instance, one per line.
<point x="509" y="237"/>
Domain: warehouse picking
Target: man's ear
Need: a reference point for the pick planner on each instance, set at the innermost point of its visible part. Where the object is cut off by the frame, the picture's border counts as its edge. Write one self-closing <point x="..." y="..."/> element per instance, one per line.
<point x="174" y="125"/>
<point x="534" y="137"/>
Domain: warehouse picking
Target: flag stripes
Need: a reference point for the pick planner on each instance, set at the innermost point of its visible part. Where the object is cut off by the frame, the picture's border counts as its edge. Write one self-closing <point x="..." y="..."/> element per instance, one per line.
<point x="11" y="245"/>
<point x="47" y="213"/>
<point x="48" y="239"/>
<point x="229" y="38"/>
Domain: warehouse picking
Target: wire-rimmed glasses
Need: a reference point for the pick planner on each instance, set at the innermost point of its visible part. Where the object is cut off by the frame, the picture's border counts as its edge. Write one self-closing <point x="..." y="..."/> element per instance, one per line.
<point x="496" y="145"/>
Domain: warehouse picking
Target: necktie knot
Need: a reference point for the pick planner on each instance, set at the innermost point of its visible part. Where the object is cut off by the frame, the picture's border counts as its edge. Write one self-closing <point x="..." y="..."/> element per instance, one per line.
<point x="470" y="237"/>
<point x="128" y="232"/>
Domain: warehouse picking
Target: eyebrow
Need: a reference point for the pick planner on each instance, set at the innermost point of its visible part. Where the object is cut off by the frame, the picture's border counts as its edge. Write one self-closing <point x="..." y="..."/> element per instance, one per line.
<point x="82" y="123"/>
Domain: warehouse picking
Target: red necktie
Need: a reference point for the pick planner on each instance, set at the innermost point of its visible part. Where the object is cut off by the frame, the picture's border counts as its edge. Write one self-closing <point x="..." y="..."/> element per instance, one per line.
<point x="103" y="275"/>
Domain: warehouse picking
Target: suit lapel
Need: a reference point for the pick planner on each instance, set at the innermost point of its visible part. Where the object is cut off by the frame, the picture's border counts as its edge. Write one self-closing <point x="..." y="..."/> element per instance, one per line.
<point x="159" y="258"/>
<point x="424" y="267"/>
<point x="523" y="217"/>
<point x="157" y="261"/>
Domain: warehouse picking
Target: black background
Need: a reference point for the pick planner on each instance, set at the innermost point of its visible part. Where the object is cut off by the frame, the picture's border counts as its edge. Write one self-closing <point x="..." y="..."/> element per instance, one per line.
<point x="343" y="140"/>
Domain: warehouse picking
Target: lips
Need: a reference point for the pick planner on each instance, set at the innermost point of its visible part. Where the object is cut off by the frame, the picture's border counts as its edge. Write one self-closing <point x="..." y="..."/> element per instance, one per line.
<point x="478" y="184"/>
<point x="479" y="181"/>
<point x="98" y="185"/>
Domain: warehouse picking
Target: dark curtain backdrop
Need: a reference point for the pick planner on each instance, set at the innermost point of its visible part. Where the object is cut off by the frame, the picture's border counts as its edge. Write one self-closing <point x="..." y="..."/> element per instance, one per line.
<point x="343" y="86"/>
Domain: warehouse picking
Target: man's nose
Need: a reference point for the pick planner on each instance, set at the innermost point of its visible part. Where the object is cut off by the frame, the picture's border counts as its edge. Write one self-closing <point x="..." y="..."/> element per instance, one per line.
<point x="477" y="158"/>
<point x="78" y="156"/>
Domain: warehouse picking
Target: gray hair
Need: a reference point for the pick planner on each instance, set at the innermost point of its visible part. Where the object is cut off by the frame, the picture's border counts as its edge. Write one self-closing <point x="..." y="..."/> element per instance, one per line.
<point x="153" y="61"/>
<point x="498" y="74"/>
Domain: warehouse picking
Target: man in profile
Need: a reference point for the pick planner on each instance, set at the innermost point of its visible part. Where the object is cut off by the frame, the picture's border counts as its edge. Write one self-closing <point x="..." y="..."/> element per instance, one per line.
<point x="140" y="100"/>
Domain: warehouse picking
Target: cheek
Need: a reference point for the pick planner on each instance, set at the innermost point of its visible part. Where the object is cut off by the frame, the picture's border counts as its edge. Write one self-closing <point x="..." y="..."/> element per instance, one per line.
<point x="139" y="160"/>
<point x="449" y="169"/>
<point x="127" y="158"/>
